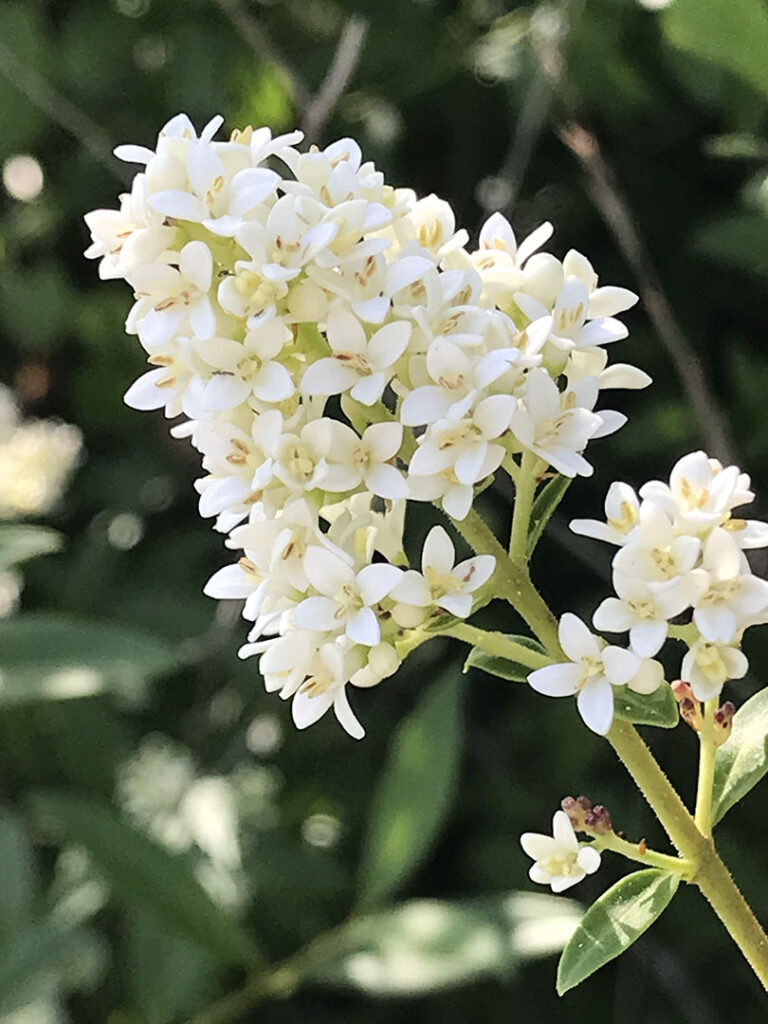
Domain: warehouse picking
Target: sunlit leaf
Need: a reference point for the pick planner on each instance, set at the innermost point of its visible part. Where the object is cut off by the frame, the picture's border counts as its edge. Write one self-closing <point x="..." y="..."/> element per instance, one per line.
<point x="20" y="543"/>
<point x="415" y="790"/>
<point x="731" y="35"/>
<point x="658" y="708"/>
<point x="742" y="760"/>
<point x="515" y="671"/>
<point x="613" y="923"/>
<point x="144" y="874"/>
<point x="547" y="500"/>
<point x="47" y="656"/>
<point x="432" y="945"/>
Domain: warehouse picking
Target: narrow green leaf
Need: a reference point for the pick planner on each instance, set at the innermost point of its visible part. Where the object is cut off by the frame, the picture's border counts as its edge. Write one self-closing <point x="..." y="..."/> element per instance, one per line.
<point x="414" y="791"/>
<point x="144" y="874"/>
<point x="737" y="240"/>
<point x="732" y="35"/>
<point x="45" y="656"/>
<point x="20" y="543"/>
<point x="428" y="946"/>
<point x="743" y="759"/>
<point x="547" y="500"/>
<point x="658" y="708"/>
<point x="503" y="667"/>
<point x="613" y="923"/>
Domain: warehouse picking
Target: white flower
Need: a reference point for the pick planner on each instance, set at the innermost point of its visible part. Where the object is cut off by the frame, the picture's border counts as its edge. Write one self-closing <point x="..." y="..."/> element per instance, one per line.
<point x="441" y="583"/>
<point x="329" y="672"/>
<point x="655" y="554"/>
<point x="642" y="611"/>
<point x="346" y="599"/>
<point x="242" y="369"/>
<point x="465" y="446"/>
<point x="367" y="460"/>
<point x="170" y="300"/>
<point x="701" y="495"/>
<point x="358" y="365"/>
<point x="591" y="673"/>
<point x="708" y="666"/>
<point x="622" y="514"/>
<point x="560" y="861"/>
<point x="556" y="434"/>
<point x="732" y="593"/>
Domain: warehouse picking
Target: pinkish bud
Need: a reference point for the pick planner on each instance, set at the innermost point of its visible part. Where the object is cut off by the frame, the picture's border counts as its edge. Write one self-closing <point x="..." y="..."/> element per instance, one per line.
<point x="723" y="722"/>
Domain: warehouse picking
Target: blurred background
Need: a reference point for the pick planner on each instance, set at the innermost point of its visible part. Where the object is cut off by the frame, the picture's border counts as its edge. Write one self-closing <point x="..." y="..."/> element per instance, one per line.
<point x="161" y="822"/>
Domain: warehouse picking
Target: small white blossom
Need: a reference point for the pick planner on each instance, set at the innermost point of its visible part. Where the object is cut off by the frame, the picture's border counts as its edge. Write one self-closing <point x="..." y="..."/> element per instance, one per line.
<point x="590" y="674"/>
<point x="560" y="861"/>
<point x="708" y="666"/>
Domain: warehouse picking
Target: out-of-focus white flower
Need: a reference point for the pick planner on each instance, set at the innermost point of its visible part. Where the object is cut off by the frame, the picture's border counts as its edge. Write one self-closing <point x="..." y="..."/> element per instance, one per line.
<point x="590" y="674"/>
<point x="559" y="860"/>
<point x="36" y="462"/>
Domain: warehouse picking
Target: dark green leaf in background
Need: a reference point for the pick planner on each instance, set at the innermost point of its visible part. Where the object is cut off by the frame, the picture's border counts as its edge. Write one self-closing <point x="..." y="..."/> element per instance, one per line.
<point x="414" y="791"/>
<point x="45" y="656"/>
<point x="144" y="874"/>
<point x="433" y="945"/>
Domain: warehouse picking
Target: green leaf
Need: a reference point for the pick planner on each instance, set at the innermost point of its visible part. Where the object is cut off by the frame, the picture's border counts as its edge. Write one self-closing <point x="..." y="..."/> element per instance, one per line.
<point x="658" y="708"/>
<point x="414" y="791"/>
<point x="20" y="543"/>
<point x="428" y="946"/>
<point x="17" y="870"/>
<point x="732" y="35"/>
<point x="45" y="656"/>
<point x="144" y="874"/>
<point x="743" y="759"/>
<point x="503" y="667"/>
<point x="547" y="500"/>
<point x="613" y="923"/>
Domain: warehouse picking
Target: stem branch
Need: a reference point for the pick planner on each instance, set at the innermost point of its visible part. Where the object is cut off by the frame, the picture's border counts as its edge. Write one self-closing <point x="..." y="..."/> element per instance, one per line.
<point x="707" y="751"/>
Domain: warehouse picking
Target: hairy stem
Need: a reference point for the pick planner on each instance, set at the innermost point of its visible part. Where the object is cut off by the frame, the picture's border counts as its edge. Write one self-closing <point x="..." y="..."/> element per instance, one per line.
<point x="640" y="853"/>
<point x="707" y="751"/>
<point x="497" y="644"/>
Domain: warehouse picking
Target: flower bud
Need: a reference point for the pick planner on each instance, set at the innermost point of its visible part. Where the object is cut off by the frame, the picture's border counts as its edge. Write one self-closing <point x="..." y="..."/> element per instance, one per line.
<point x="690" y="708"/>
<point x="586" y="818"/>
<point x="723" y="722"/>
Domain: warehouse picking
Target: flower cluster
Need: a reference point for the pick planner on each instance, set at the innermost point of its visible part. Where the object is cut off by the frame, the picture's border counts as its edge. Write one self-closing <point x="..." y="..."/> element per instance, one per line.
<point x="335" y="350"/>
<point x="681" y="552"/>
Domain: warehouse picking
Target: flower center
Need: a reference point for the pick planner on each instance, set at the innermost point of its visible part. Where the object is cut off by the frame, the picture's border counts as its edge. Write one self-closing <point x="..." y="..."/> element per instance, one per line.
<point x="349" y="601"/>
<point x="709" y="660"/>
<point x="565" y="863"/>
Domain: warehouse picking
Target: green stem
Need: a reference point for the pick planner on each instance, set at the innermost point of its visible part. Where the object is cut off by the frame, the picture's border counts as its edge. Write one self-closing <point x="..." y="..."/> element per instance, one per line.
<point x="497" y="644"/>
<point x="650" y="858"/>
<point x="710" y="874"/>
<point x="707" y="751"/>
<point x="513" y="582"/>
<point x="525" y="489"/>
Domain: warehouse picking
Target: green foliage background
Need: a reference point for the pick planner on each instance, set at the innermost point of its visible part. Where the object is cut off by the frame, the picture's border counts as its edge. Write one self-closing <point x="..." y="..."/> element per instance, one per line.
<point x="123" y="932"/>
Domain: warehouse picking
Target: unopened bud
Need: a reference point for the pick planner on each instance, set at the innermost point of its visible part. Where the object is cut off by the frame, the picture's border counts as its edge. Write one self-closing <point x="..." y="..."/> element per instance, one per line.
<point x="598" y="821"/>
<point x="577" y="809"/>
<point x="585" y="818"/>
<point x="723" y="722"/>
<point x="690" y="708"/>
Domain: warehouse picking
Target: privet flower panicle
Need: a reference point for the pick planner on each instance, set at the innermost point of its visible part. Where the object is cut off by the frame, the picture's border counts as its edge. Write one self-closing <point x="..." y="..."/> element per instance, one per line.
<point x="681" y="552"/>
<point x="334" y="349"/>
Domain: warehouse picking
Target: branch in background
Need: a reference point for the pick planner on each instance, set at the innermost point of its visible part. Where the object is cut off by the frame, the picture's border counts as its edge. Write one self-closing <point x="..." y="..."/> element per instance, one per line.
<point x="604" y="191"/>
<point x="345" y="60"/>
<point x="259" y="41"/>
<point x="61" y="111"/>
